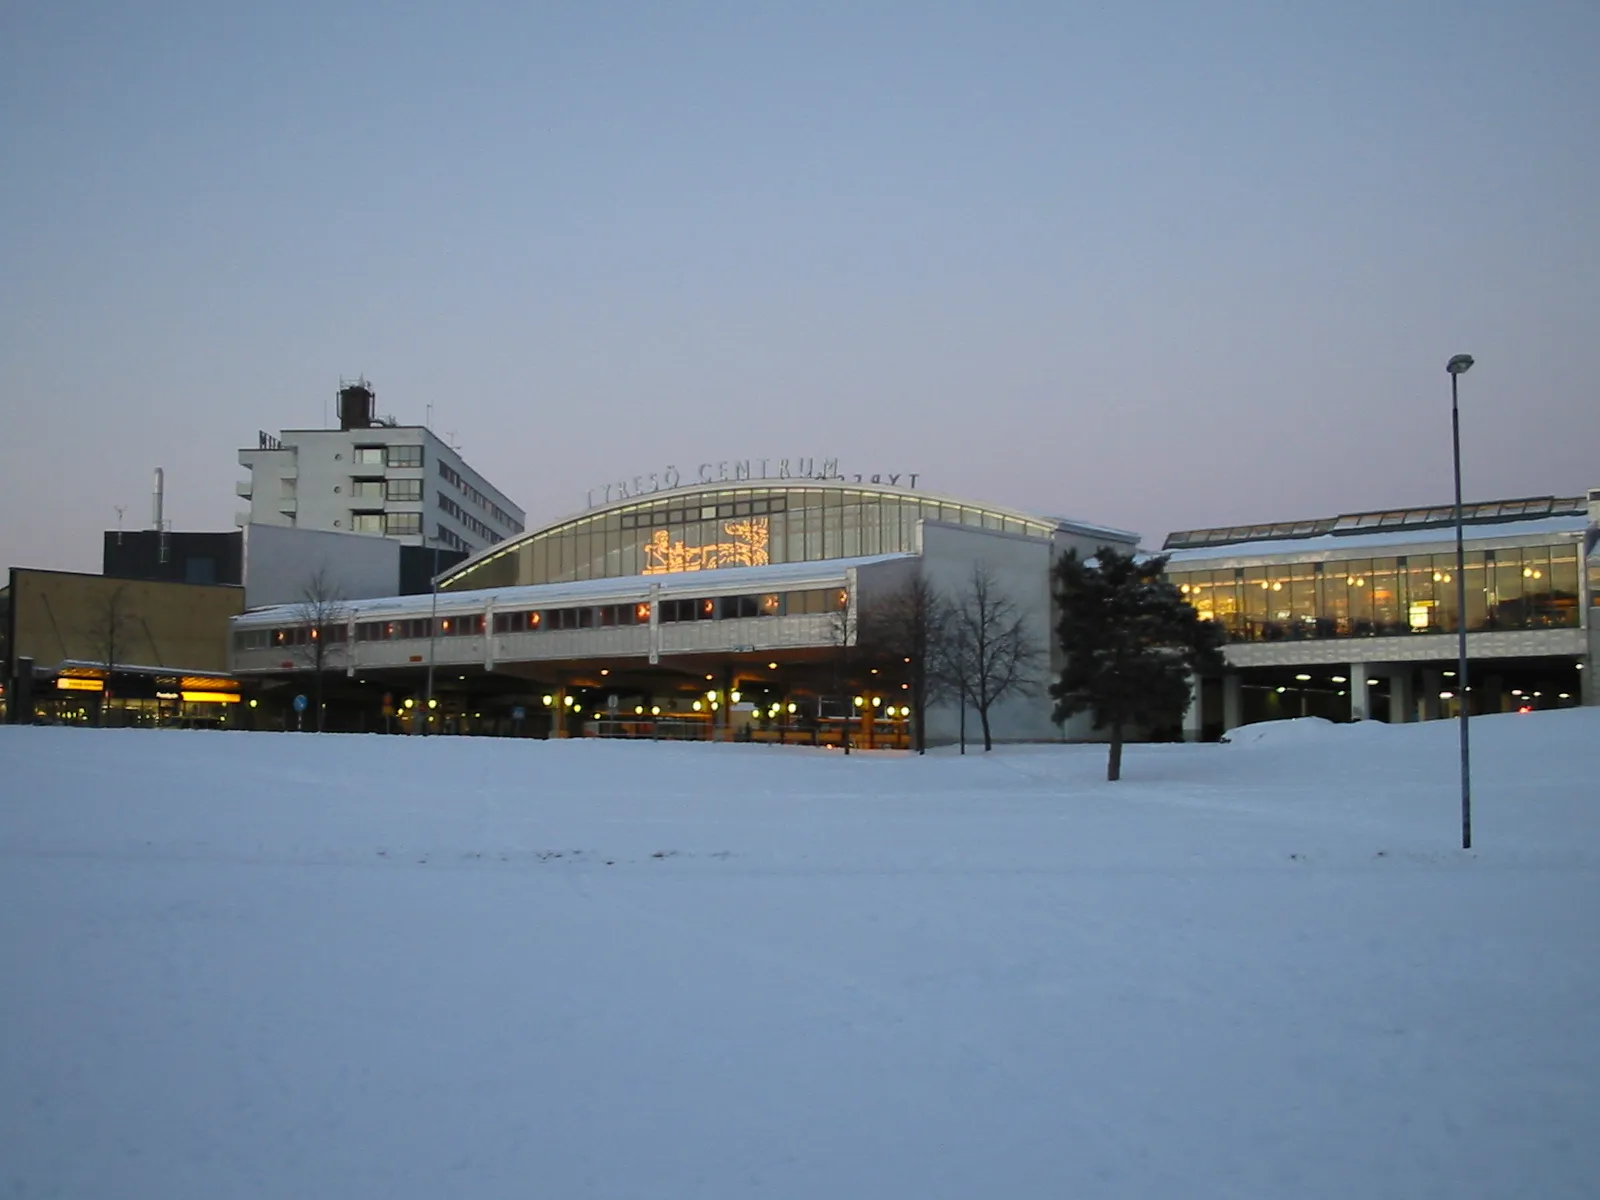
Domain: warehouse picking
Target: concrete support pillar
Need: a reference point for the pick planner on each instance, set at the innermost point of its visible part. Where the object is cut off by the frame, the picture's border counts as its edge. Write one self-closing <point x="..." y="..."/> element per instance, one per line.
<point x="1360" y="693"/>
<point x="1402" y="696"/>
<point x="1432" y="684"/>
<point x="1232" y="701"/>
<point x="1588" y="684"/>
<point x="1194" y="718"/>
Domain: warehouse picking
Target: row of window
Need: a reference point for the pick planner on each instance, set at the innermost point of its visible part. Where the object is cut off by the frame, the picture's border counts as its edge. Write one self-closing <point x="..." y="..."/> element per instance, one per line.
<point x="604" y="616"/>
<point x="1523" y="588"/>
<point x="388" y="456"/>
<point x="703" y="512"/>
<point x="450" y="539"/>
<point x="471" y="522"/>
<point x="454" y="478"/>
<point x="395" y="524"/>
<point x="290" y="638"/>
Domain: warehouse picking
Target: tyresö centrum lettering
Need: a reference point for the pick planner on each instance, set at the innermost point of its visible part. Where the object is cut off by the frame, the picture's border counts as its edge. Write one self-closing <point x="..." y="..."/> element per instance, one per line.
<point x="735" y="471"/>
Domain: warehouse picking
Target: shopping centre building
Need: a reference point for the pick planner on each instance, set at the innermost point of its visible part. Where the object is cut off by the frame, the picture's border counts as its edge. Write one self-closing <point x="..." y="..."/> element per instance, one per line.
<point x="727" y="608"/>
<point x="1356" y="616"/>
<point x="723" y="608"/>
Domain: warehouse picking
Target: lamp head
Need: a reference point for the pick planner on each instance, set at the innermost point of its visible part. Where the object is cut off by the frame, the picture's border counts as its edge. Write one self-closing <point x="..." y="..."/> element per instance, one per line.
<point x="1459" y="365"/>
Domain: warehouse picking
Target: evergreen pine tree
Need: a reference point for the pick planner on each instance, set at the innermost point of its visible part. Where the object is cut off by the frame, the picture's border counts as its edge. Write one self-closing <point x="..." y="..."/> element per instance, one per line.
<point x="1130" y="641"/>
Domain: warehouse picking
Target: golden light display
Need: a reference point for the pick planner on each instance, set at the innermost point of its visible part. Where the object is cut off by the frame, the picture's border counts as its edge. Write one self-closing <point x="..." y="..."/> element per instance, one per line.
<point x="748" y="548"/>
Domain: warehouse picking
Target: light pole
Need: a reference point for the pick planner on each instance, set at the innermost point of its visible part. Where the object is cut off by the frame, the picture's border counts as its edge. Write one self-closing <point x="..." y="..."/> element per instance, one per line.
<point x="1458" y="366"/>
<point x="433" y="632"/>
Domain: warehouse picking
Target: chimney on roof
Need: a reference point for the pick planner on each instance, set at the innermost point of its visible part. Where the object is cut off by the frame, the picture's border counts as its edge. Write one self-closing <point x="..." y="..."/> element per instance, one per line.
<point x="357" y="403"/>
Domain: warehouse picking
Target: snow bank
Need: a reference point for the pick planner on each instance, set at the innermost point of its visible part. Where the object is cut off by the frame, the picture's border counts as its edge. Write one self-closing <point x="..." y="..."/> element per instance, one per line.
<point x="265" y="965"/>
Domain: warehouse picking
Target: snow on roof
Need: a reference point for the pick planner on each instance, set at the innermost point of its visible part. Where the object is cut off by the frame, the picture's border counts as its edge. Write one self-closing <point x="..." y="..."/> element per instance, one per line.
<point x="1089" y="529"/>
<point x="719" y="581"/>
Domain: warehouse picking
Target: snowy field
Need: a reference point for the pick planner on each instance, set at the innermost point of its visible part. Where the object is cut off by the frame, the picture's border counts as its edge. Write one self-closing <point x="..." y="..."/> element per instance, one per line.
<point x="267" y="965"/>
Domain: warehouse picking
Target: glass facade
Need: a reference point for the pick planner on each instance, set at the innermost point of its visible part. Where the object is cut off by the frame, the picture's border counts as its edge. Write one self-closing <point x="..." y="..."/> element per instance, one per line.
<point x="722" y="527"/>
<point x="1527" y="587"/>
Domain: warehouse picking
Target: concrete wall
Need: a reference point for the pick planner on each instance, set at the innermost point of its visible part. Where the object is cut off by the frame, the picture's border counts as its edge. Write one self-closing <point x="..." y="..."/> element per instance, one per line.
<point x="279" y="562"/>
<point x="61" y="616"/>
<point x="1020" y="567"/>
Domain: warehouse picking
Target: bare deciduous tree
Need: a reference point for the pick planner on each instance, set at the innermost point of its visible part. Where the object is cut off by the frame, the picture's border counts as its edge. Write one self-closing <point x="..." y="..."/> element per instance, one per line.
<point x="992" y="654"/>
<point x="908" y="630"/>
<point x="109" y="633"/>
<point x="324" y="615"/>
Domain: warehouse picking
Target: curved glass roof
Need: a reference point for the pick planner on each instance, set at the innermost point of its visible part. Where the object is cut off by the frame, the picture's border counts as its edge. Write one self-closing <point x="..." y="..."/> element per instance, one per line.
<point x="735" y="523"/>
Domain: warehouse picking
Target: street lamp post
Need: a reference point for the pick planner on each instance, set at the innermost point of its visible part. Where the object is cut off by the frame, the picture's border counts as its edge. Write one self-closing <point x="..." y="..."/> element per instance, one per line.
<point x="433" y="632"/>
<point x="1458" y="366"/>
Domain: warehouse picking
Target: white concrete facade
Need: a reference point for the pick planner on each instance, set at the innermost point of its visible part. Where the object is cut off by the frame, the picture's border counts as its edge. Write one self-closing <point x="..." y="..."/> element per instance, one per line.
<point x="281" y="562"/>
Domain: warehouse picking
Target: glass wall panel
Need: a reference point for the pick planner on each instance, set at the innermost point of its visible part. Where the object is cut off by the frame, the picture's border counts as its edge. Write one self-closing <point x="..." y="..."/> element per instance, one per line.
<point x="1195" y="587"/>
<point x="1444" y="590"/>
<point x="1229" y="605"/>
<point x="850" y="522"/>
<point x="872" y="527"/>
<point x="1536" y="595"/>
<point x="1564" y="585"/>
<point x="1300" y="588"/>
<point x="1388" y="604"/>
<point x="1421" y="611"/>
<point x="795" y="535"/>
<point x="1505" y="590"/>
<point x="1477" y="590"/>
<point x="813" y="518"/>
<point x="1357" y="580"/>
<point x="585" y="552"/>
<point x="1337" y="585"/>
<point x="1257" y="589"/>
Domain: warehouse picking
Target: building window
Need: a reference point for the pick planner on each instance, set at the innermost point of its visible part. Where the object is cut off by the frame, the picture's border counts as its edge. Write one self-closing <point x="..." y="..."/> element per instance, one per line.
<point x="404" y="489"/>
<point x="402" y="524"/>
<point x="368" y="456"/>
<point x="366" y="489"/>
<point x="367" y="522"/>
<point x="730" y="607"/>
<point x="405" y="456"/>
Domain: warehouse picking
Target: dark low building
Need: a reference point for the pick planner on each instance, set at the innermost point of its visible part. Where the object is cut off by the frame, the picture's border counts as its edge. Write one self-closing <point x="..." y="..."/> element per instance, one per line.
<point x="174" y="557"/>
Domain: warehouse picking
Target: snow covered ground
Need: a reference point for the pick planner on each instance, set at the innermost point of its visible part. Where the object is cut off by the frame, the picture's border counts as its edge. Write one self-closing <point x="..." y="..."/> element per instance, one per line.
<point x="242" y="965"/>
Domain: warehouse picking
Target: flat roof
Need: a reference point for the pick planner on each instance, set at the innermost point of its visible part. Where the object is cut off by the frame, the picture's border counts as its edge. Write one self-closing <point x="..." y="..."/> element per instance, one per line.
<point x="1376" y="520"/>
<point x="1355" y="543"/>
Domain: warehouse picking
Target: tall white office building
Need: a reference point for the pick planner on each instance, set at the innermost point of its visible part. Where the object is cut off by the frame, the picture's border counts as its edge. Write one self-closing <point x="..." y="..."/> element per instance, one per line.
<point x="373" y="475"/>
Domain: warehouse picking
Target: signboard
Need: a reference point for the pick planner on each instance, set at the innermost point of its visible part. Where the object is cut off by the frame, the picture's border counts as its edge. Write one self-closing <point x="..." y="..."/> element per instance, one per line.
<point x="300" y="703"/>
<point x="739" y="470"/>
<point x="519" y="713"/>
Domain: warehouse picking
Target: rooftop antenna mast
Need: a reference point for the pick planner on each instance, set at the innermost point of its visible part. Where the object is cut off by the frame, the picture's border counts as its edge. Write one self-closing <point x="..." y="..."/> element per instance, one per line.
<point x="121" y="508"/>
